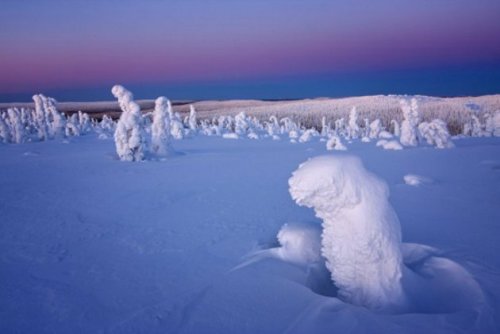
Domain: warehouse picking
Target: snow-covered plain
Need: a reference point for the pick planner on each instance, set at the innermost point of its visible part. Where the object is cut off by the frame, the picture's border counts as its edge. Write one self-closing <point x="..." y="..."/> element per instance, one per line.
<point x="91" y="244"/>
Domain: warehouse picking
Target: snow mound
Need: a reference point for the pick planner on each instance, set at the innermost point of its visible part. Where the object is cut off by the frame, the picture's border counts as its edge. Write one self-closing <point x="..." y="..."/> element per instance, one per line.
<point x="361" y="232"/>
<point x="361" y="243"/>
<point x="392" y="145"/>
<point x="416" y="180"/>
<point x="334" y="143"/>
<point x="299" y="244"/>
<point x="230" y="136"/>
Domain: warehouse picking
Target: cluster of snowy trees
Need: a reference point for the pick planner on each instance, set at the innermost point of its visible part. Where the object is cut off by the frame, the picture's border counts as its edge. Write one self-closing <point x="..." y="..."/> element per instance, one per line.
<point x="142" y="135"/>
<point x="44" y="122"/>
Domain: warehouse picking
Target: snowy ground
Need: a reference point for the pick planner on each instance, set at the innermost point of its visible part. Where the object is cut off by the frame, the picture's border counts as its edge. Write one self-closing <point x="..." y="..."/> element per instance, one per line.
<point x="89" y="244"/>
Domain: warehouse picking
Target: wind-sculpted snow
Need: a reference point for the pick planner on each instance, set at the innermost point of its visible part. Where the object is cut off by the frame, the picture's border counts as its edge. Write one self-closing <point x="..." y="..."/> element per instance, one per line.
<point x="361" y="243"/>
<point x="361" y="232"/>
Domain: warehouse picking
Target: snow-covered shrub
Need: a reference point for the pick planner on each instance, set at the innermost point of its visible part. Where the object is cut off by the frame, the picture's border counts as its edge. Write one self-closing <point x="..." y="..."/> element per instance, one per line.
<point x="130" y="139"/>
<point x="436" y="133"/>
<point x="361" y="232"/>
<point x="353" y="130"/>
<point x="307" y="135"/>
<point x="334" y="143"/>
<point x="160" y="129"/>
<point x="252" y="135"/>
<point x="410" y="122"/>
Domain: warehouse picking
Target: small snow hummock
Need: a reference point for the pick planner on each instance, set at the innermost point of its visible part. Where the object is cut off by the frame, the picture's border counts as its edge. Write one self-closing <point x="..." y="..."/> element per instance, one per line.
<point x="361" y="233"/>
<point x="416" y="180"/>
<point x="334" y="143"/>
<point x="231" y="135"/>
<point x="389" y="144"/>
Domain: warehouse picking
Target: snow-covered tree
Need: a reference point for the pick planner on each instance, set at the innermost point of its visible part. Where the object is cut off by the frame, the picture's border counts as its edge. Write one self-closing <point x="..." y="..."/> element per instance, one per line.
<point x="241" y="124"/>
<point x="18" y="134"/>
<point x="361" y="236"/>
<point x="436" y="133"/>
<point x="160" y="130"/>
<point x="396" y="129"/>
<point x="41" y="117"/>
<point x="353" y="130"/>
<point x="410" y="122"/>
<point x="130" y="139"/>
<point x="375" y="128"/>
<point x="307" y="135"/>
<point x="4" y="129"/>
<point x="496" y="124"/>
<point x="193" y="125"/>
<point x="176" y="126"/>
<point x="273" y="127"/>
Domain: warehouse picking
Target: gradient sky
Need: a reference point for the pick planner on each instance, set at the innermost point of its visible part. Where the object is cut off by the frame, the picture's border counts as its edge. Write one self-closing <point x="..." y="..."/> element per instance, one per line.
<point x="76" y="49"/>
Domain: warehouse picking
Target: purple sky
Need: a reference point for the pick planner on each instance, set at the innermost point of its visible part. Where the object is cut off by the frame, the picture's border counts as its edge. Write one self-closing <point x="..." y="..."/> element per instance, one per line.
<point x="67" y="44"/>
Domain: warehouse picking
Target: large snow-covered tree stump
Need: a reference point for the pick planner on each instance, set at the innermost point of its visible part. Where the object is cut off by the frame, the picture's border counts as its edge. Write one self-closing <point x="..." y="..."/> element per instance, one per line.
<point x="361" y="232"/>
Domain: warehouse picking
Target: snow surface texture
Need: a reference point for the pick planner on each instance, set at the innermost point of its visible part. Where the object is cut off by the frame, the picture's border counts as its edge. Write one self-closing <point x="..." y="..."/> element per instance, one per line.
<point x="361" y="232"/>
<point x="93" y="245"/>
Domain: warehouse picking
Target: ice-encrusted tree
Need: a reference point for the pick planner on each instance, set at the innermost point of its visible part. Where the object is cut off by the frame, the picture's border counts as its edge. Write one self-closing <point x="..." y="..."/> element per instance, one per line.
<point x="160" y="129"/>
<point x="241" y="124"/>
<point x="496" y="124"/>
<point x="4" y="129"/>
<point x="41" y="122"/>
<point x="130" y="139"/>
<point x="17" y="129"/>
<point x="375" y="128"/>
<point x="361" y="236"/>
<point x="353" y="130"/>
<point x="176" y="126"/>
<point x="273" y="127"/>
<point x="193" y="125"/>
<point x="396" y="129"/>
<point x="49" y="123"/>
<point x="436" y="133"/>
<point x="409" y="126"/>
